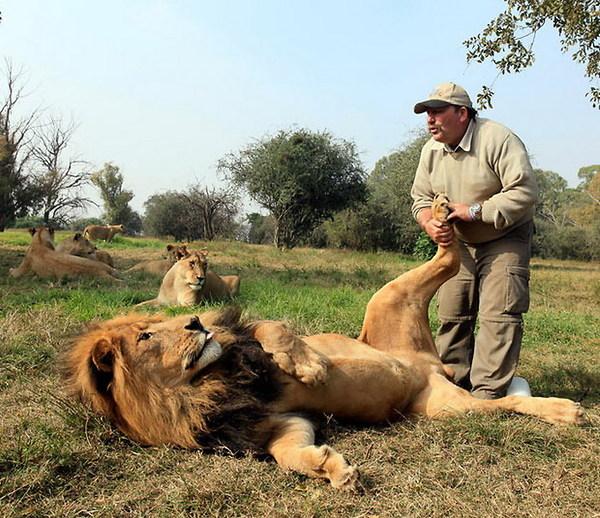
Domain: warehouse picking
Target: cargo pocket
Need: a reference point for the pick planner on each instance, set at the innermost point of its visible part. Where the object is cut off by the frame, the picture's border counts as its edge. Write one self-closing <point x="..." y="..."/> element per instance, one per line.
<point x="517" y="290"/>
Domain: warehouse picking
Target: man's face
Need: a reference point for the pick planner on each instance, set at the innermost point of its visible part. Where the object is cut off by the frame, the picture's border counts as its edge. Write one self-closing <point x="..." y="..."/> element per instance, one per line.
<point x="447" y="124"/>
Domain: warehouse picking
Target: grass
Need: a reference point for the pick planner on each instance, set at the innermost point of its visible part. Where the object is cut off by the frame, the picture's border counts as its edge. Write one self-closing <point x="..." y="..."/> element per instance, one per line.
<point x="57" y="459"/>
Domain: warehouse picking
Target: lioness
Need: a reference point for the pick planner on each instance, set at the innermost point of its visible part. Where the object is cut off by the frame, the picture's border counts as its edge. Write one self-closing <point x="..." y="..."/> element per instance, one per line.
<point x="82" y="247"/>
<point x="162" y="266"/>
<point x="106" y="232"/>
<point x="42" y="259"/>
<point x="212" y="381"/>
<point x="77" y="245"/>
<point x="189" y="281"/>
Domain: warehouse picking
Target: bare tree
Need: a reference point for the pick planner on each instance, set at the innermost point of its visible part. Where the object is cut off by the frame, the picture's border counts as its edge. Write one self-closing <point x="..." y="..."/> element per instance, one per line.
<point x="216" y="208"/>
<point x="59" y="179"/>
<point x="16" y="191"/>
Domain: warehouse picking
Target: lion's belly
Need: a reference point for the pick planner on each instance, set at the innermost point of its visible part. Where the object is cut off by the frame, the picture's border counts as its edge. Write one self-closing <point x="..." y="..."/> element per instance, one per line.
<point x="362" y="383"/>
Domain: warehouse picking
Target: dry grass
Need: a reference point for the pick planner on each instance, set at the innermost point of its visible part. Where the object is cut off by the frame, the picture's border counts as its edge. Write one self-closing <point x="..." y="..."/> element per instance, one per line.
<point x="56" y="459"/>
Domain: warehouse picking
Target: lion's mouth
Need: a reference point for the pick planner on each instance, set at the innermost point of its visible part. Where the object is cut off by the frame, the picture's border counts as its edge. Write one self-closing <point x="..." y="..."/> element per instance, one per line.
<point x="207" y="351"/>
<point x="196" y="286"/>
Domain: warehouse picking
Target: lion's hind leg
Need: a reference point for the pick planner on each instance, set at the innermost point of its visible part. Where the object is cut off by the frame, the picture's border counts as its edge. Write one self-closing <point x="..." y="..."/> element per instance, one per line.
<point x="396" y="317"/>
<point x="441" y="398"/>
<point x="292" y="444"/>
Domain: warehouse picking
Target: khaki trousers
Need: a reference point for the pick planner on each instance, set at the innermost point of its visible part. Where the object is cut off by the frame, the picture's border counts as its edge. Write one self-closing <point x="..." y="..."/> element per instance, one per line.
<point x="492" y="285"/>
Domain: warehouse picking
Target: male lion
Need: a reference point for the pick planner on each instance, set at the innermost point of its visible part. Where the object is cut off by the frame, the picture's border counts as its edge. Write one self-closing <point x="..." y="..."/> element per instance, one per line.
<point x="189" y="281"/>
<point x="82" y="247"/>
<point x="215" y="382"/>
<point x="162" y="266"/>
<point x="42" y="259"/>
<point x="106" y="232"/>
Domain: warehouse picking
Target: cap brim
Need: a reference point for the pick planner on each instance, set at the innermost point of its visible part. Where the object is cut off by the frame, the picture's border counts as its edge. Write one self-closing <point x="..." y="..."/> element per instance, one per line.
<point x="423" y="106"/>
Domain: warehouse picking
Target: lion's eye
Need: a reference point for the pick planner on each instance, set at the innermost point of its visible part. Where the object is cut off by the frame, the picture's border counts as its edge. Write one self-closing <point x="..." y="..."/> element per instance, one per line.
<point x="144" y="336"/>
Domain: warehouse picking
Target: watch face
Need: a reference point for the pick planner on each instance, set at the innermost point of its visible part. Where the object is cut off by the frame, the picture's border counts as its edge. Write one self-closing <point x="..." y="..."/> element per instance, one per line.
<point x="475" y="211"/>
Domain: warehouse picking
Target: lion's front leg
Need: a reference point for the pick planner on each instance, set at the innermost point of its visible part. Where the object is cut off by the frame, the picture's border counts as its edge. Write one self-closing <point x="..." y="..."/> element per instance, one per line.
<point x="292" y="446"/>
<point x="22" y="269"/>
<point x="291" y="354"/>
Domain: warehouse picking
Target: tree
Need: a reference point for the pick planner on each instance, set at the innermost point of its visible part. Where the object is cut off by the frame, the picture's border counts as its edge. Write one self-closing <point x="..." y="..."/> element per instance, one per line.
<point x="168" y="214"/>
<point x="109" y="181"/>
<point x="60" y="179"/>
<point x="554" y="198"/>
<point x="301" y="177"/>
<point x="507" y="40"/>
<point x="17" y="193"/>
<point x="261" y="229"/>
<point x="390" y="184"/>
<point x="196" y="213"/>
<point x="587" y="212"/>
<point x="587" y="175"/>
<point x="216" y="209"/>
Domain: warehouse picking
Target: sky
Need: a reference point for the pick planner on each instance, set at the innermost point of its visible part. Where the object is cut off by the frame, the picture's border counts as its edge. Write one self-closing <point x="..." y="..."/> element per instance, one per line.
<point x="164" y="89"/>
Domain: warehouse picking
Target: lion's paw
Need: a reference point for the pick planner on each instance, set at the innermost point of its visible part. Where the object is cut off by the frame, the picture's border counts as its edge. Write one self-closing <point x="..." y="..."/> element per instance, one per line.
<point x="564" y="411"/>
<point x="346" y="479"/>
<point x="439" y="207"/>
<point x="303" y="363"/>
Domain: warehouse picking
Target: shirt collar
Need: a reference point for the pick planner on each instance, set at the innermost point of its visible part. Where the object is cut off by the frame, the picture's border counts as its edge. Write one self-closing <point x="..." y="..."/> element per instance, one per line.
<point x="464" y="144"/>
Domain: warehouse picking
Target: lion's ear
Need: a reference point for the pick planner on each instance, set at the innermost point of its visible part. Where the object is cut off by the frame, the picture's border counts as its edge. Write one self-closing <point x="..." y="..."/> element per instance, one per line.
<point x="32" y="230"/>
<point x="103" y="356"/>
<point x="170" y="247"/>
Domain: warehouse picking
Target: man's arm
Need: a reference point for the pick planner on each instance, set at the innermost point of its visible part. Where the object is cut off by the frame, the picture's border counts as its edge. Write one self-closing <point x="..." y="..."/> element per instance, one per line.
<point x="519" y="188"/>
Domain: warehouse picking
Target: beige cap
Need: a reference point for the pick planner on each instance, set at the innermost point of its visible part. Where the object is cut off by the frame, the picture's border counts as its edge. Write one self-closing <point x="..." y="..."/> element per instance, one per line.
<point x="443" y="95"/>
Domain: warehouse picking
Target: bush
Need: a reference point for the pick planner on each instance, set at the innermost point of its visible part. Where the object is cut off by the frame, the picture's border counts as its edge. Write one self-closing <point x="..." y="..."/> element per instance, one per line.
<point x="424" y="248"/>
<point x="568" y="242"/>
<point x="36" y="221"/>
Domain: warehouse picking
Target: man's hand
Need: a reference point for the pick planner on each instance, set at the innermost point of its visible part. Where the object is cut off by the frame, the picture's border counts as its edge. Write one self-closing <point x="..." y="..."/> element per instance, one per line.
<point x="459" y="212"/>
<point x="439" y="232"/>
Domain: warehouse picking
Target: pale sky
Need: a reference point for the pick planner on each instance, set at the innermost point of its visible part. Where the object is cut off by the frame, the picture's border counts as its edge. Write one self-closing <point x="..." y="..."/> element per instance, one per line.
<point x="164" y="89"/>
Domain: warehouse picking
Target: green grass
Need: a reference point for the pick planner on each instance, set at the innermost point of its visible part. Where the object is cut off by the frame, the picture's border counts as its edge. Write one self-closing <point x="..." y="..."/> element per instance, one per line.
<point x="57" y="459"/>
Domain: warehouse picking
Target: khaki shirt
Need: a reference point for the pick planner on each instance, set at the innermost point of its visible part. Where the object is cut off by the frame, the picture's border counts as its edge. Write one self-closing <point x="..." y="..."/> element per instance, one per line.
<point x="489" y="166"/>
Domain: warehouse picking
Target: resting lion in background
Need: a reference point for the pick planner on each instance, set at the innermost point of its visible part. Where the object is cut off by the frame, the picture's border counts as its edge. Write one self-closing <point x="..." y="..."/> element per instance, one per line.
<point x="189" y="282"/>
<point x="162" y="266"/>
<point x="213" y="381"/>
<point x="82" y="247"/>
<point x="43" y="260"/>
<point x="106" y="232"/>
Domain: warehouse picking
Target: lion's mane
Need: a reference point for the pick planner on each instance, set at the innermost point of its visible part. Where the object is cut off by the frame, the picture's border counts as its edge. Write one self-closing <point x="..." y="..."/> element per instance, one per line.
<point x="222" y="408"/>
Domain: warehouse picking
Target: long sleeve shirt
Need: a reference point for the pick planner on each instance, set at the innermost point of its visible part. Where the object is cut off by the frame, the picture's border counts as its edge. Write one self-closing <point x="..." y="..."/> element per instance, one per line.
<point x="489" y="166"/>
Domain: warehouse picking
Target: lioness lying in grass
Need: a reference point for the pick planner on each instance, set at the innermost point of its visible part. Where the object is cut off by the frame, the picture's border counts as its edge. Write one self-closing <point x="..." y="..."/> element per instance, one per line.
<point x="189" y="282"/>
<point x="43" y="260"/>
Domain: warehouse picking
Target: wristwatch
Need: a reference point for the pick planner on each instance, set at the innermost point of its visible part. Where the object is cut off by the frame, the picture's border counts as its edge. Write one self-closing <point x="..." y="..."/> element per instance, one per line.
<point x="475" y="212"/>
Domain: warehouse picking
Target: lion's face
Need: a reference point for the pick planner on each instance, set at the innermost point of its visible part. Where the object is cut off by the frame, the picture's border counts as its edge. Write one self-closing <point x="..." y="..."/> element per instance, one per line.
<point x="192" y="269"/>
<point x="168" y="353"/>
<point x="81" y="246"/>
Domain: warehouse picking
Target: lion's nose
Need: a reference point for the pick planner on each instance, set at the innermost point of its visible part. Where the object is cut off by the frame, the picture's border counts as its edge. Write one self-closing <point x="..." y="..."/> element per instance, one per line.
<point x="200" y="278"/>
<point x="195" y="325"/>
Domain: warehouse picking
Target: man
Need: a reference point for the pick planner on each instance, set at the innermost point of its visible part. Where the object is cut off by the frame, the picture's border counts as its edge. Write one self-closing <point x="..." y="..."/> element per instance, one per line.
<point x="484" y="169"/>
